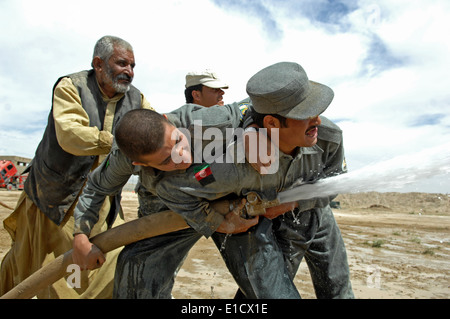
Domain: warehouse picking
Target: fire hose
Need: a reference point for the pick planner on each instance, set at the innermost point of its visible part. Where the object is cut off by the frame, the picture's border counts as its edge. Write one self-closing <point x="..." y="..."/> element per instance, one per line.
<point x="144" y="227"/>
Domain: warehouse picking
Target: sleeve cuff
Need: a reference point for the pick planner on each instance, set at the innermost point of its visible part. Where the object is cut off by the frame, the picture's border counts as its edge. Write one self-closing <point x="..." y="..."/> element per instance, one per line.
<point x="105" y="141"/>
<point x="210" y="224"/>
<point x="83" y="227"/>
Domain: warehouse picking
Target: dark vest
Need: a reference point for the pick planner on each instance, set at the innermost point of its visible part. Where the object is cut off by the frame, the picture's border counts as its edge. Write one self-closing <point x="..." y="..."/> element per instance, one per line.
<point x="56" y="177"/>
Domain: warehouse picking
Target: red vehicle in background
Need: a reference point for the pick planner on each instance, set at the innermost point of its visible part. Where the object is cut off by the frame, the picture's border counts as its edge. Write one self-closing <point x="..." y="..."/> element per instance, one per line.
<point x="10" y="178"/>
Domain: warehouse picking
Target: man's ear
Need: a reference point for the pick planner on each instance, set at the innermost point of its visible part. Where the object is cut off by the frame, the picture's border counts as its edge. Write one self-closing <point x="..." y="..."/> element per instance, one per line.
<point x="165" y="116"/>
<point x="271" y="122"/>
<point x="196" y="95"/>
<point x="97" y="63"/>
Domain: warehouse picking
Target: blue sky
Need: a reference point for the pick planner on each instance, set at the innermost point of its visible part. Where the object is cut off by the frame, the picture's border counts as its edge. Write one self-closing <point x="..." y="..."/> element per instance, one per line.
<point x="387" y="61"/>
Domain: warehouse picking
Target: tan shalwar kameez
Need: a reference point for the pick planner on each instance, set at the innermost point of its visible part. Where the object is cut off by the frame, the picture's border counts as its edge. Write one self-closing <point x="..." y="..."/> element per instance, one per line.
<point x="36" y="240"/>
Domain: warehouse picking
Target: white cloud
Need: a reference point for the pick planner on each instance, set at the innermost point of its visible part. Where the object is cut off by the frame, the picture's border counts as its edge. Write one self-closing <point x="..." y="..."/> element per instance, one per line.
<point x="386" y="61"/>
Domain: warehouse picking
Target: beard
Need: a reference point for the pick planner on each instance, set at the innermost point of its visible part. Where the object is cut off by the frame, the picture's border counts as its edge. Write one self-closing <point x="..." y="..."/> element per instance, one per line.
<point x="114" y="81"/>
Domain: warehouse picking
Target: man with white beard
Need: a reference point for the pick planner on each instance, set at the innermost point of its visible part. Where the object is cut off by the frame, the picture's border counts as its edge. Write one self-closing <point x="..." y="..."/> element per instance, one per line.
<point x="85" y="109"/>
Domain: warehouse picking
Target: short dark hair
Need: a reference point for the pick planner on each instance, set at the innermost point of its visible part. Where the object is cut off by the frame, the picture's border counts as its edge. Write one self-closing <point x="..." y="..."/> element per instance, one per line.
<point x="258" y="119"/>
<point x="188" y="92"/>
<point x="140" y="132"/>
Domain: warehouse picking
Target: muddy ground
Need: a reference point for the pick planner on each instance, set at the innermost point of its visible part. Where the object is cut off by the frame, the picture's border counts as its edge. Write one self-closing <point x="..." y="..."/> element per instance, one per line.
<point x="398" y="247"/>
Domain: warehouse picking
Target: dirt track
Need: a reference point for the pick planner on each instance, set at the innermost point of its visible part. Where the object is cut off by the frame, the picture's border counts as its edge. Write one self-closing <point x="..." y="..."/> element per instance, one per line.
<point x="398" y="247"/>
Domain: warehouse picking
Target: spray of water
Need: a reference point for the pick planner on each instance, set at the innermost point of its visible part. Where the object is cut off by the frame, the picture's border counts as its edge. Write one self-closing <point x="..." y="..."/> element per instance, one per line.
<point x="392" y="174"/>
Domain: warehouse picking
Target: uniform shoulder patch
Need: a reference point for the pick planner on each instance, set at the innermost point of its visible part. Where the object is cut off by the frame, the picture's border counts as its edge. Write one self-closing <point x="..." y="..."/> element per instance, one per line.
<point x="243" y="107"/>
<point x="204" y="175"/>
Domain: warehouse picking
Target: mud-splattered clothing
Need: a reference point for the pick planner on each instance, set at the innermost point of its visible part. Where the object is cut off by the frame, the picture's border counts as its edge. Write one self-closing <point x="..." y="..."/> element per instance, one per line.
<point x="257" y="258"/>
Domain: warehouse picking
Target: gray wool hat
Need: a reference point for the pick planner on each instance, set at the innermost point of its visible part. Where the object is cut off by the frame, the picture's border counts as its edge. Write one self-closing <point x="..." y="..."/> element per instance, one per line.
<point x="284" y="88"/>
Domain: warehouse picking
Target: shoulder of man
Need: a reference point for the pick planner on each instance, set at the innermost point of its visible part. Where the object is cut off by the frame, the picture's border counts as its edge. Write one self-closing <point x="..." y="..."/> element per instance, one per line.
<point x="120" y="162"/>
<point x="117" y="156"/>
<point x="74" y="77"/>
<point x="329" y="131"/>
<point x="114" y="147"/>
<point x="81" y="74"/>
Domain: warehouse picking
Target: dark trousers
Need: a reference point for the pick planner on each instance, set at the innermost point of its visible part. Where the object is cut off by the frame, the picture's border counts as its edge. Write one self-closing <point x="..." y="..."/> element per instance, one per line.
<point x="146" y="269"/>
<point x="263" y="261"/>
<point x="315" y="235"/>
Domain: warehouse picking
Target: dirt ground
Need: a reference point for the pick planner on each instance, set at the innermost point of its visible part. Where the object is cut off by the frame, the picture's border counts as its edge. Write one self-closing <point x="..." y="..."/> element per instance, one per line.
<point x="398" y="247"/>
